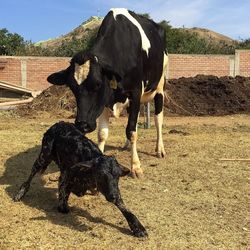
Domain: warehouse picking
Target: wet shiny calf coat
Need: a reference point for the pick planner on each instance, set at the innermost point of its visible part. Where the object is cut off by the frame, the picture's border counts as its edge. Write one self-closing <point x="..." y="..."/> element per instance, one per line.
<point x="83" y="167"/>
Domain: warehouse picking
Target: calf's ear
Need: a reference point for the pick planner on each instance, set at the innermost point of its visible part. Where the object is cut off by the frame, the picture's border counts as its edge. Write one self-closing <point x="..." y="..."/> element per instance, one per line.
<point x="58" y="78"/>
<point x="84" y="166"/>
<point x="125" y="171"/>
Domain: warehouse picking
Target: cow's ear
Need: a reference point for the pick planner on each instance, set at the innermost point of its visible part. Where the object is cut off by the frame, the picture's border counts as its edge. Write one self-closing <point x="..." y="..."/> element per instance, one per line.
<point x="58" y="78"/>
<point x="111" y="74"/>
<point x="125" y="171"/>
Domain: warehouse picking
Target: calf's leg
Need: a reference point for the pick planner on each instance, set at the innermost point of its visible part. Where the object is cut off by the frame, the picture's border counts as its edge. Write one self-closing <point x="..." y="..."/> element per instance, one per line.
<point x="64" y="192"/>
<point x="39" y="166"/>
<point x="135" y="225"/>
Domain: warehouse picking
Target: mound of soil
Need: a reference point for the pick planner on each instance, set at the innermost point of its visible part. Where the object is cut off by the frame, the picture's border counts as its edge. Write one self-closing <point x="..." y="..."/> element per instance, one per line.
<point x="200" y="95"/>
<point x="55" y="100"/>
<point x="208" y="95"/>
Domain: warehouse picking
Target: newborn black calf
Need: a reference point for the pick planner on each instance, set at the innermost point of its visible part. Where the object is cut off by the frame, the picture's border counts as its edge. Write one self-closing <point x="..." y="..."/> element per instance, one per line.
<point x="83" y="167"/>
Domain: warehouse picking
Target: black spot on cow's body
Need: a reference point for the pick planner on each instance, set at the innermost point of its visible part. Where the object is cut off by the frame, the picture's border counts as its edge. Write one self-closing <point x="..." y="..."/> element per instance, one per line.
<point x="126" y="61"/>
<point x="158" y="103"/>
<point x="117" y="53"/>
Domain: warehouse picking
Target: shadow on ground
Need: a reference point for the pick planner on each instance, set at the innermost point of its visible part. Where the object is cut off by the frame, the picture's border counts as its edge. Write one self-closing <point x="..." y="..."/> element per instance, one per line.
<point x="17" y="170"/>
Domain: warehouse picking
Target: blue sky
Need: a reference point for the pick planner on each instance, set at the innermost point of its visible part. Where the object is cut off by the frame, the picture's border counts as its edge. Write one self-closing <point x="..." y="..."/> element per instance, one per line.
<point x="40" y="20"/>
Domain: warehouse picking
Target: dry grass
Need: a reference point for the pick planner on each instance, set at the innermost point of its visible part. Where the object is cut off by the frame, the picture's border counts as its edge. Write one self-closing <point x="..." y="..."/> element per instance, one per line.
<point x="187" y="200"/>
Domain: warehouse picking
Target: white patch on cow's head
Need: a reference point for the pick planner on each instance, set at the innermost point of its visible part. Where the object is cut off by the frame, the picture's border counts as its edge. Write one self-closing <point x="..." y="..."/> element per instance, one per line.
<point x="144" y="40"/>
<point x="81" y="72"/>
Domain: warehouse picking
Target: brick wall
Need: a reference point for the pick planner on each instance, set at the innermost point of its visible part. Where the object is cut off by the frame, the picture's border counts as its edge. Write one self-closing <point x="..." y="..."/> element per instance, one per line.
<point x="31" y="72"/>
<point x="10" y="70"/>
<point x="243" y="57"/>
<point x="192" y="65"/>
<point x="38" y="70"/>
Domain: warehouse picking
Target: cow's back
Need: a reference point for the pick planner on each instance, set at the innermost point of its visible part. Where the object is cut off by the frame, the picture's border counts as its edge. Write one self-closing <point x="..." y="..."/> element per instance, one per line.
<point x="122" y="47"/>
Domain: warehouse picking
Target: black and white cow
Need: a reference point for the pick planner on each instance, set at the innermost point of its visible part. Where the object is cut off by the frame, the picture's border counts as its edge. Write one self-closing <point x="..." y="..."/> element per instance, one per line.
<point x="126" y="62"/>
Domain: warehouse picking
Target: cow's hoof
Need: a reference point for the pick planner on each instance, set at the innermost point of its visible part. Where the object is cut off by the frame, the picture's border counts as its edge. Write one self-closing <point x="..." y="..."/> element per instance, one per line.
<point x="127" y="145"/>
<point x="161" y="154"/>
<point x="137" y="173"/>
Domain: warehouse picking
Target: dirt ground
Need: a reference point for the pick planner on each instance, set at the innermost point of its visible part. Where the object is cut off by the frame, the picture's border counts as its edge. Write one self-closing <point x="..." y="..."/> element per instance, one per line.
<point x="189" y="200"/>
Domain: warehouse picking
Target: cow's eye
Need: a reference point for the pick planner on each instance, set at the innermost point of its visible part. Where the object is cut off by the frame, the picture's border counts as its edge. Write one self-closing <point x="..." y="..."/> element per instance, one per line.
<point x="93" y="85"/>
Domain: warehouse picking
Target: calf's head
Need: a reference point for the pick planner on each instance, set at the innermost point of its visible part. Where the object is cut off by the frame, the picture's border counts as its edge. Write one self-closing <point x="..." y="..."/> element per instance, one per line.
<point x="105" y="172"/>
<point x="91" y="89"/>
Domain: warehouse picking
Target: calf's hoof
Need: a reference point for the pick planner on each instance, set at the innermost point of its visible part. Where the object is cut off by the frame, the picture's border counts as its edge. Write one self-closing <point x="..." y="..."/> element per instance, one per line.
<point x="63" y="209"/>
<point x="21" y="193"/>
<point x="17" y="197"/>
<point x="140" y="233"/>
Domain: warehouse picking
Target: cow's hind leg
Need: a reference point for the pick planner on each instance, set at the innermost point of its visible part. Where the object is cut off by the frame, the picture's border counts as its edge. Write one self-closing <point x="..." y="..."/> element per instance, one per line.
<point x="158" y="99"/>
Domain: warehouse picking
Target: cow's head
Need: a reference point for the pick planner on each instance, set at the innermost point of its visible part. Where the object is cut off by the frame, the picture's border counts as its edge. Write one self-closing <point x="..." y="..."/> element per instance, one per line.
<point x="86" y="78"/>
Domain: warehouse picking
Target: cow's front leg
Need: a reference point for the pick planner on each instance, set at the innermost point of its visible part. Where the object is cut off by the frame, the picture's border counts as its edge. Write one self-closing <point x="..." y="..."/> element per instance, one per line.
<point x="131" y="133"/>
<point x="158" y="99"/>
<point x="103" y="129"/>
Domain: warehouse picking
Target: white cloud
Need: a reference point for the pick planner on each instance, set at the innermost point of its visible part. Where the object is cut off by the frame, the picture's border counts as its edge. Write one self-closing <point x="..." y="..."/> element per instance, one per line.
<point x="180" y="12"/>
<point x="225" y="16"/>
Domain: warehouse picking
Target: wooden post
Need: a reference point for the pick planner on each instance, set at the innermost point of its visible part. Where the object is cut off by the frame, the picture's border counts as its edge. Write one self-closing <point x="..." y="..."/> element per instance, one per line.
<point x="147" y="115"/>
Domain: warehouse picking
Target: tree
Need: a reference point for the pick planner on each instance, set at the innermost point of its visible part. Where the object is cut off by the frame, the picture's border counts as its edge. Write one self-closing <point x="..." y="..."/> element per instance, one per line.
<point x="244" y="44"/>
<point x="180" y="41"/>
<point x="11" y="43"/>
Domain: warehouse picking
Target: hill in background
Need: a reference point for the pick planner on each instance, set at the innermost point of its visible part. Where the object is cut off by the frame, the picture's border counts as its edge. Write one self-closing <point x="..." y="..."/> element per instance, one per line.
<point x="212" y="35"/>
<point x="179" y="40"/>
<point x="92" y="24"/>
